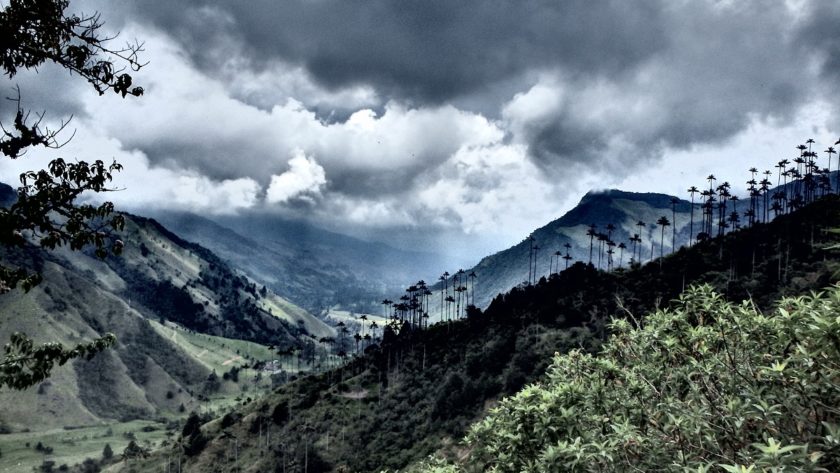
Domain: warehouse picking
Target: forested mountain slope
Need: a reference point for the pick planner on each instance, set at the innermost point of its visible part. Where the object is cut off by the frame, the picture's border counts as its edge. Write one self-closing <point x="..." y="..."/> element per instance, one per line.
<point x="498" y="273"/>
<point x="416" y="391"/>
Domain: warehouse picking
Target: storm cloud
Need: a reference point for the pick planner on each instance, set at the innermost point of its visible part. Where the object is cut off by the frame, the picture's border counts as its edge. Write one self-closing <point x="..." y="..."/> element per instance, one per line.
<point x="386" y="114"/>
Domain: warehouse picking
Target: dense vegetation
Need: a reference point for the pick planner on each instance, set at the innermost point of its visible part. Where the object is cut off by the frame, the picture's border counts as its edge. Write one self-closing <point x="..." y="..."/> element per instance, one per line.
<point x="418" y="391"/>
<point x="705" y="386"/>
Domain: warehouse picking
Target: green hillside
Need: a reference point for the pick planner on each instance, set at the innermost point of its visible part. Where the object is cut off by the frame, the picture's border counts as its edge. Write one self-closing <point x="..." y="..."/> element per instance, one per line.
<point x="181" y="316"/>
<point x="417" y="393"/>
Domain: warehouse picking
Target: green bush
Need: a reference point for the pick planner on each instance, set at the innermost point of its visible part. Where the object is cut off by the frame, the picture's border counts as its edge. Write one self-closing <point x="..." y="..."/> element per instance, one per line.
<point x="706" y="386"/>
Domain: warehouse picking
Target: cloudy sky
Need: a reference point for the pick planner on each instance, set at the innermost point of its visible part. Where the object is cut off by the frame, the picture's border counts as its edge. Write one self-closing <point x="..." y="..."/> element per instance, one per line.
<point x="464" y="124"/>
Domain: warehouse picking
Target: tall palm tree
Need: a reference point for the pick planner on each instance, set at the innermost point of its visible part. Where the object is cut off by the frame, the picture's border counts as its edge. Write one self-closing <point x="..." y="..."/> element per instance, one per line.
<point x="530" y="256"/>
<point x="449" y="301"/>
<point x="642" y="225"/>
<point x="445" y="278"/>
<point x="601" y="239"/>
<point x="674" y="202"/>
<point x="621" y="248"/>
<point x="634" y="239"/>
<point x="363" y="318"/>
<point x="536" y="249"/>
<point x="610" y="253"/>
<point x="663" y="222"/>
<point x="568" y="257"/>
<point x="387" y="303"/>
<point x="472" y="276"/>
<point x="652" y="243"/>
<point x="691" y="190"/>
<point x="591" y="234"/>
<point x="829" y="152"/>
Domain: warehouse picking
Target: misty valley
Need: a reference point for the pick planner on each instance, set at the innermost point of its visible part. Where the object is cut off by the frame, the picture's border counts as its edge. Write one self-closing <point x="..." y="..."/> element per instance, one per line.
<point x="315" y="237"/>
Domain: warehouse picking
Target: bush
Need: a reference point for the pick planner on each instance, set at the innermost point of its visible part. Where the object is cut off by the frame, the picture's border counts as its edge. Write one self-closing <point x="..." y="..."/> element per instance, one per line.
<point x="707" y="386"/>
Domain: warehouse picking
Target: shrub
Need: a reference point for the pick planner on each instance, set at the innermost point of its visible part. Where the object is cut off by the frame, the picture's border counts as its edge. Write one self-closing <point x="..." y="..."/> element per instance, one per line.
<point x="706" y="386"/>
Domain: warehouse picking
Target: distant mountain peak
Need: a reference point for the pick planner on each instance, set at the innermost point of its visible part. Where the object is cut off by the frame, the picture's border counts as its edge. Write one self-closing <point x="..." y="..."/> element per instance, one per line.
<point x="654" y="198"/>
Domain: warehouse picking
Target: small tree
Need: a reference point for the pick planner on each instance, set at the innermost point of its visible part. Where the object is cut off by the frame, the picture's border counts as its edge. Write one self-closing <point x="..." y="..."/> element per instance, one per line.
<point x="107" y="453"/>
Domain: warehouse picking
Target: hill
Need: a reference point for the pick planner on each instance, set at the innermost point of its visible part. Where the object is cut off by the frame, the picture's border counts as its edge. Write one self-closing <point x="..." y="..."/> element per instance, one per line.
<point x="314" y="268"/>
<point x="498" y="273"/>
<point x="416" y="392"/>
<point x="182" y="316"/>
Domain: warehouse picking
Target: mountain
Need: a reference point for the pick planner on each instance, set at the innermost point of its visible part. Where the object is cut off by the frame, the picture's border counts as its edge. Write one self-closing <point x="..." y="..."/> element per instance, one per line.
<point x="314" y="268"/>
<point x="179" y="313"/>
<point x="498" y="273"/>
<point x="416" y="392"/>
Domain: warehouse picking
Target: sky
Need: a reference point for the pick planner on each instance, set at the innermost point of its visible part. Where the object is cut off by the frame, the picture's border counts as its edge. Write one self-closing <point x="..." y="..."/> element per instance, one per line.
<point x="455" y="127"/>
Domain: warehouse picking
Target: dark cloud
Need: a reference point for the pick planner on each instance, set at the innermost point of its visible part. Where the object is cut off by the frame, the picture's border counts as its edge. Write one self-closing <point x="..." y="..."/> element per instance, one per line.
<point x="419" y="50"/>
<point x="711" y="67"/>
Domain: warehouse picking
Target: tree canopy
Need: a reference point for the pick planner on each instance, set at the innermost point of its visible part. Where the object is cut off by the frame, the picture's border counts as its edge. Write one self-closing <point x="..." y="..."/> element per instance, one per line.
<point x="46" y="212"/>
<point x="706" y="386"/>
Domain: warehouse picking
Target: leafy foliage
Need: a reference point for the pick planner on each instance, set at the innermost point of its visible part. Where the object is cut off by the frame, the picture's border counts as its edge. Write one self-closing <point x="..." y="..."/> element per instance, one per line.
<point x="705" y="386"/>
<point x="26" y="364"/>
<point x="34" y="32"/>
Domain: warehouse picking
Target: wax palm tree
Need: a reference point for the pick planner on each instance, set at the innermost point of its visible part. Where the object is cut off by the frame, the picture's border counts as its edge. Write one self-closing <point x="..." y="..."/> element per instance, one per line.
<point x="621" y="248"/>
<point x="663" y="222"/>
<point x="458" y="305"/>
<point x="829" y="152"/>
<point x="358" y="338"/>
<point x="428" y="294"/>
<point x="765" y="191"/>
<point x="472" y="276"/>
<point x="674" y="202"/>
<point x="568" y="258"/>
<point x="634" y="239"/>
<point x="363" y="319"/>
<point x="610" y="253"/>
<point x="591" y="234"/>
<point x="642" y="225"/>
<point x="691" y="190"/>
<point x="449" y="301"/>
<point x="652" y="244"/>
<point x="445" y="291"/>
<point x="601" y="239"/>
<point x="530" y="256"/>
<point x="536" y="249"/>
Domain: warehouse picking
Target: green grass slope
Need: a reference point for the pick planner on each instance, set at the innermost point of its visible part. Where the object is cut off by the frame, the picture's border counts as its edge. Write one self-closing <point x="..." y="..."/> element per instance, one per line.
<point x="179" y="314"/>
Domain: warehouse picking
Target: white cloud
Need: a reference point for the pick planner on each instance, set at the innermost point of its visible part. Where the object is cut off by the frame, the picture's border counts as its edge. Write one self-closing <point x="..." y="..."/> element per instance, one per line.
<point x="304" y="178"/>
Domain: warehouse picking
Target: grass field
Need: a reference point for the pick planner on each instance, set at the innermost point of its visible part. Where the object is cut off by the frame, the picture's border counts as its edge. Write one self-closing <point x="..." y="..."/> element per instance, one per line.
<point x="73" y="446"/>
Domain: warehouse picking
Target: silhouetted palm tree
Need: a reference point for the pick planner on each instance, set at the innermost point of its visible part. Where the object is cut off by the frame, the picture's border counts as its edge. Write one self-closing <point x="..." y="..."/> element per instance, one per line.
<point x="691" y="190"/>
<point x="829" y="152"/>
<point x="536" y="249"/>
<point x="674" y="202"/>
<point x="652" y="244"/>
<point x="472" y="276"/>
<point x="635" y="239"/>
<point x="530" y="256"/>
<point x="621" y="248"/>
<point x="663" y="222"/>
<point x="591" y="234"/>
<point x="642" y="225"/>
<point x="610" y="252"/>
